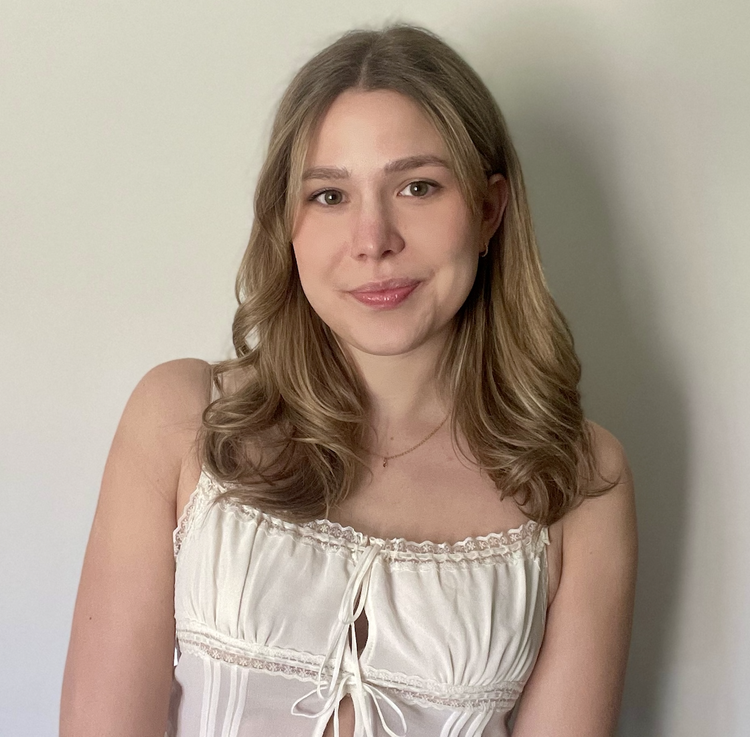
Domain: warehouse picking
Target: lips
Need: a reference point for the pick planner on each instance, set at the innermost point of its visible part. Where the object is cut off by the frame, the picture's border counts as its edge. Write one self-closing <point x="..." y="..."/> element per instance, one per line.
<point x="380" y="286"/>
<point x="385" y="294"/>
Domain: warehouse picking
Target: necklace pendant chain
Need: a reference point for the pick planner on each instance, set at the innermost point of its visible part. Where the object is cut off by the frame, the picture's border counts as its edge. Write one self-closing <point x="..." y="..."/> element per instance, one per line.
<point x="421" y="442"/>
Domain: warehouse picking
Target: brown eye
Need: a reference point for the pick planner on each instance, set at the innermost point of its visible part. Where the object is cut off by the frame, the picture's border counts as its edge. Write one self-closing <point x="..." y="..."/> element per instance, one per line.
<point x="329" y="197"/>
<point x="419" y="189"/>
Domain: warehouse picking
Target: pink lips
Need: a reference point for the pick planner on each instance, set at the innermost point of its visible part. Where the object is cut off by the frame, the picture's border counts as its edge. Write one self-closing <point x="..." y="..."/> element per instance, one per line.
<point x="385" y="294"/>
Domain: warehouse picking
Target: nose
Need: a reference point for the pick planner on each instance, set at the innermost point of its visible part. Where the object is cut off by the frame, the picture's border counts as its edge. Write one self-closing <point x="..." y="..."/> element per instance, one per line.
<point x="374" y="231"/>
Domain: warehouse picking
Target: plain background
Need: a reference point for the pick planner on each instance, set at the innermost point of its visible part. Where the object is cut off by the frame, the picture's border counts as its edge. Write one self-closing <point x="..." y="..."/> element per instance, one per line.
<point x="131" y="134"/>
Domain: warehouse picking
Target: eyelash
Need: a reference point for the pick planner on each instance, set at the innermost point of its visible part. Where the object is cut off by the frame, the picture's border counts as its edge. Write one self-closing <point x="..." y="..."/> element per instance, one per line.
<point x="434" y="186"/>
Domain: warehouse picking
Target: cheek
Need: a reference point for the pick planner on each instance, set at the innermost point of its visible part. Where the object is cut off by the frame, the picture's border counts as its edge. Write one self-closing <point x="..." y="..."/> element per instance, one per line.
<point x="315" y="266"/>
<point x="316" y="244"/>
<point x="311" y="255"/>
<point x="459" y="251"/>
<point x="464" y="276"/>
<point x="453" y="233"/>
<point x="460" y="257"/>
<point x="308" y="273"/>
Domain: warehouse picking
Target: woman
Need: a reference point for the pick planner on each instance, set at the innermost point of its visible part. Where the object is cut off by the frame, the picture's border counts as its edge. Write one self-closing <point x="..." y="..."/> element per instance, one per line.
<point x="389" y="514"/>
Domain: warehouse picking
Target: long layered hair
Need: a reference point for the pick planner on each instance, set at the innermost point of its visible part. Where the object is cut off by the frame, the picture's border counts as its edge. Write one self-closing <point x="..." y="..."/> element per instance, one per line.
<point x="289" y="438"/>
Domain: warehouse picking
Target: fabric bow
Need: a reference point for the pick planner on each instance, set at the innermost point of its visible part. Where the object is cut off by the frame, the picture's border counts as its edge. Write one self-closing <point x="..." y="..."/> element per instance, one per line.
<point x="343" y="682"/>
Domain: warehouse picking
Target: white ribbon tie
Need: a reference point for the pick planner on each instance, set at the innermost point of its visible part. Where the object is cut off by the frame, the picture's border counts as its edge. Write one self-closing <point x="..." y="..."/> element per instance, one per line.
<point x="343" y="682"/>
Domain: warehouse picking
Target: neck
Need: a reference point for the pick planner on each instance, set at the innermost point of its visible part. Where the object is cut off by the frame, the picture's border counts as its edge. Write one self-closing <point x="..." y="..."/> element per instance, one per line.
<point x="405" y="396"/>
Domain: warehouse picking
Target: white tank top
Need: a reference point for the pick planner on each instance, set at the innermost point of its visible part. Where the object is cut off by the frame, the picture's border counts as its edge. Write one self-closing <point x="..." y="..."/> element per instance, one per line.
<point x="264" y="608"/>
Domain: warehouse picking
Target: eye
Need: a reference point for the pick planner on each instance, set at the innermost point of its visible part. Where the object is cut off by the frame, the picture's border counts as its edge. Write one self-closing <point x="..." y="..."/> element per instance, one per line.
<point x="329" y="197"/>
<point x="419" y="188"/>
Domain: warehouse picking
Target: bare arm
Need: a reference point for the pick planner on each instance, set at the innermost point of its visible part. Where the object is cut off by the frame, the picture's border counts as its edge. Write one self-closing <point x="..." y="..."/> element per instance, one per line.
<point x="118" y="670"/>
<point x="577" y="683"/>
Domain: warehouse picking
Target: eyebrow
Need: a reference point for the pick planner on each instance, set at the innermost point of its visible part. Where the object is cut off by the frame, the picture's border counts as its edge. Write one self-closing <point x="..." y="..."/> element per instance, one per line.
<point x="405" y="164"/>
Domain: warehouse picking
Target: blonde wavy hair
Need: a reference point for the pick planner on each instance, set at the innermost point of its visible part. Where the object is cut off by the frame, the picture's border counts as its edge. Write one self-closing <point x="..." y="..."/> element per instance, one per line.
<point x="289" y="438"/>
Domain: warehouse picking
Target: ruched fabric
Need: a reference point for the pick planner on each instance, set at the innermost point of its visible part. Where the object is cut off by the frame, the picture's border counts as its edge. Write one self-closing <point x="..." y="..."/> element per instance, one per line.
<point x="266" y="643"/>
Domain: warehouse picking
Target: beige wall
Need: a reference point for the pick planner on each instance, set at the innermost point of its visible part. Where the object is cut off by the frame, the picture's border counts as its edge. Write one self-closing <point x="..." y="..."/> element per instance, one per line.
<point x="130" y="138"/>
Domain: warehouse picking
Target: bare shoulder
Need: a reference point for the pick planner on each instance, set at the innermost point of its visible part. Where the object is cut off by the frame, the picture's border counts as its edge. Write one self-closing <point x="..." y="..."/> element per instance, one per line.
<point x="609" y="453"/>
<point x="175" y="388"/>
<point x="125" y="601"/>
<point x="187" y="386"/>
<point x="163" y="415"/>
<point x="174" y="392"/>
<point x="617" y="505"/>
<point x="576" y="687"/>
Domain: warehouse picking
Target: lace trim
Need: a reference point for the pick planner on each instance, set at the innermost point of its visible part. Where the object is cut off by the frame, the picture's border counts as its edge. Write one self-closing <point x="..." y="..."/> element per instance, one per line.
<point x="459" y="562"/>
<point x="200" y="640"/>
<point x="304" y="667"/>
<point x="202" y="491"/>
<point x="420" y="686"/>
<point x="517" y="543"/>
<point x="245" y="661"/>
<point x="180" y="531"/>
<point x="504" y="701"/>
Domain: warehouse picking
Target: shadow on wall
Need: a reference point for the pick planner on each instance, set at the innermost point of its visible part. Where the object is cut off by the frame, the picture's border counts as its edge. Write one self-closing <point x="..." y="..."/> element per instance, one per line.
<point x="551" y="81"/>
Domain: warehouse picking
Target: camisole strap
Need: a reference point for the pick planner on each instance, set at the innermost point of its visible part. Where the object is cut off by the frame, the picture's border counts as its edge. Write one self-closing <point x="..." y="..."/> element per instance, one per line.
<point x="198" y="501"/>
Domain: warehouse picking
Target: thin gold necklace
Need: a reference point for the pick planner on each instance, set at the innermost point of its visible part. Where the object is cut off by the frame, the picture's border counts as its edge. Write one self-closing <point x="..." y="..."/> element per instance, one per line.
<point x="421" y="442"/>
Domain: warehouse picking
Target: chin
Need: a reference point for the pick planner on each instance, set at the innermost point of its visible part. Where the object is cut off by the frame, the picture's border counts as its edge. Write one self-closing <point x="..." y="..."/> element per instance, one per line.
<point x="388" y="343"/>
<point x="391" y="348"/>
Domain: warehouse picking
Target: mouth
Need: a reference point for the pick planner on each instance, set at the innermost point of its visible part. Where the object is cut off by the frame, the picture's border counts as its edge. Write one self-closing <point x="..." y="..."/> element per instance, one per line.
<point x="385" y="294"/>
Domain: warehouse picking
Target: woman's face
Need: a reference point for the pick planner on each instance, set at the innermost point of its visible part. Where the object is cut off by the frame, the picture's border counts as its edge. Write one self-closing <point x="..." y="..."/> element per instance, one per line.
<point x="386" y="247"/>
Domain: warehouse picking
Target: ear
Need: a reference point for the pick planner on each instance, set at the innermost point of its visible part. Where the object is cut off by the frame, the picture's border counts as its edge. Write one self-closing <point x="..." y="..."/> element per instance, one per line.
<point x="494" y="205"/>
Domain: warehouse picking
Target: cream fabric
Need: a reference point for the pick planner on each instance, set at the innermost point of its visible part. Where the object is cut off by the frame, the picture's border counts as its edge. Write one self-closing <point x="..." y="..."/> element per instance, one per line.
<point x="264" y="608"/>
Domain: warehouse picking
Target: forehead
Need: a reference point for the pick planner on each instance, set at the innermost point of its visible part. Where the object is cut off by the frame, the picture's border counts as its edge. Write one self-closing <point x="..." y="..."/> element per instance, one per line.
<point x="370" y="128"/>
